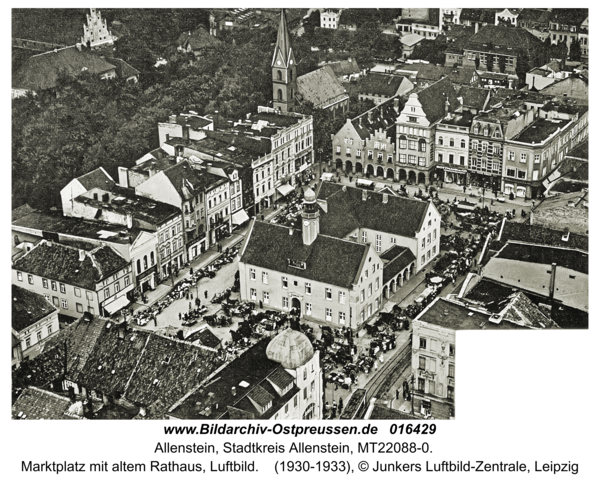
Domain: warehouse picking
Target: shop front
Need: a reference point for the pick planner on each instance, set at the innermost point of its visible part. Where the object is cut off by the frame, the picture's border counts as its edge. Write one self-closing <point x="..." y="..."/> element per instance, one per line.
<point x="484" y="180"/>
<point x="451" y="175"/>
<point x="519" y="191"/>
<point x="146" y="281"/>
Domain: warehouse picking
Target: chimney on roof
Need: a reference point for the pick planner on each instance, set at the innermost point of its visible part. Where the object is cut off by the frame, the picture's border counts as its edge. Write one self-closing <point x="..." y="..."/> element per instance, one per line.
<point x="291" y="231"/>
<point x="78" y="44"/>
<point x="385" y="198"/>
<point x="476" y="26"/>
<point x="233" y="391"/>
<point x="365" y="195"/>
<point x="129" y="220"/>
<point x="81" y="255"/>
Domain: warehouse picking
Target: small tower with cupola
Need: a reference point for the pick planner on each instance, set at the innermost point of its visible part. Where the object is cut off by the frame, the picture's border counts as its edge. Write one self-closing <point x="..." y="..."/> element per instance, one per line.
<point x="310" y="217"/>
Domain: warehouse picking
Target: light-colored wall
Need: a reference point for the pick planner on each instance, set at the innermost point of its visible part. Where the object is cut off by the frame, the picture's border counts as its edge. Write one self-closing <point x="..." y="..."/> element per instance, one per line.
<point x="570" y="287"/>
<point x="48" y="326"/>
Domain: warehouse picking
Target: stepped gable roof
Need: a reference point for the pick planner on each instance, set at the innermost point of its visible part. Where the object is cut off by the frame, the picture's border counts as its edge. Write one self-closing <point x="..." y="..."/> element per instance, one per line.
<point x="328" y="259"/>
<point x="502" y="39"/>
<point x="380" y="84"/>
<point x="382" y="117"/>
<point x="568" y="258"/>
<point x="42" y="71"/>
<point x="474" y="97"/>
<point x="290" y="348"/>
<point x="37" y="404"/>
<point x="61" y="263"/>
<point x="28" y="307"/>
<point x="537" y="234"/>
<point x="97" y="178"/>
<point x="347" y="211"/>
<point x="433" y="99"/>
<point x="321" y="87"/>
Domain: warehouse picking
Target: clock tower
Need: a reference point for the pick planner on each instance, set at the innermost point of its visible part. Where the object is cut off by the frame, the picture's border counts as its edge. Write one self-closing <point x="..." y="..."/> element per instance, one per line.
<point x="310" y="217"/>
<point x="283" y="69"/>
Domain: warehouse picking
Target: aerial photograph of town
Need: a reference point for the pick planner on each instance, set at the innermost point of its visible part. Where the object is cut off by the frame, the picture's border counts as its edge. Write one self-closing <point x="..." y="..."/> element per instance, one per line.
<point x="266" y="213"/>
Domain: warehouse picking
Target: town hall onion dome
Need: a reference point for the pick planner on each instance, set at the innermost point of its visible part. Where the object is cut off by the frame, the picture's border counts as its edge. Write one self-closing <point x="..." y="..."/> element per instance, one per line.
<point x="309" y="195"/>
<point x="290" y="348"/>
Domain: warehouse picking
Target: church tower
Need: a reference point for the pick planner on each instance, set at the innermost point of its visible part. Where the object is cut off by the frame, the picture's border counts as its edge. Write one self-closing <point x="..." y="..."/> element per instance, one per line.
<point x="283" y="69"/>
<point x="310" y="217"/>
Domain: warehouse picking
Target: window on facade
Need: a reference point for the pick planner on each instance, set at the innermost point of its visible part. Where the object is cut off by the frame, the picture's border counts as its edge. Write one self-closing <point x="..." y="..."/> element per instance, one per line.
<point x="380" y="157"/>
<point x="510" y="172"/>
<point x="452" y="350"/>
<point x="362" y="295"/>
<point x="64" y="304"/>
<point x="266" y="297"/>
<point x="402" y="144"/>
<point x="284" y="282"/>
<point x="412" y="119"/>
<point x="370" y="292"/>
<point x="423" y="343"/>
<point x="30" y="279"/>
<point x="463" y="143"/>
<point x="308" y="288"/>
<point x="364" y="237"/>
<point x="451" y="158"/>
<point x="285" y="302"/>
<point x="265" y="278"/>
<point x="79" y="308"/>
<point x="252" y="275"/>
<point x="523" y="157"/>
<point x="511" y="155"/>
<point x="342" y="318"/>
<point x="328" y="293"/>
<point x="412" y="145"/>
<point x="342" y="297"/>
<point x="117" y="287"/>
<point x="402" y="158"/>
<point x="328" y="314"/>
<point x="412" y="159"/>
<point x="378" y="243"/>
<point x="440" y="141"/>
<point x="308" y="308"/>
<point x="253" y="294"/>
<point x="521" y="174"/>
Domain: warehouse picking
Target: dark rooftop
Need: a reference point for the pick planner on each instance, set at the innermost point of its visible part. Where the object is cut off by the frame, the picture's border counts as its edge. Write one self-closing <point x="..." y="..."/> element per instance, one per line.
<point x="347" y="211"/>
<point x="28" y="307"/>
<point x="61" y="263"/>
<point x="381" y="412"/>
<point x="97" y="178"/>
<point x="328" y="259"/>
<point x="540" y="130"/>
<point x="397" y="264"/>
<point x="21" y="211"/>
<point x="536" y="234"/>
<point x="205" y="337"/>
<point x="37" y="404"/>
<point x="454" y="315"/>
<point x="380" y="84"/>
<point x="125" y="201"/>
<point x="254" y="377"/>
<point x="580" y="151"/>
<point x="59" y="224"/>
<point x="568" y="258"/>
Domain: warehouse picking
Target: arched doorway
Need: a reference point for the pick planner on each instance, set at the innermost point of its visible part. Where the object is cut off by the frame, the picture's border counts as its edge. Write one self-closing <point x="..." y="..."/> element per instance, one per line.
<point x="412" y="177"/>
<point x="296" y="305"/>
<point x="348" y="166"/>
<point x="359" y="168"/>
<point x="421" y="178"/>
<point x="309" y="413"/>
<point x="386" y="292"/>
<point x="339" y="164"/>
<point x="370" y="170"/>
<point x="402" y="174"/>
<point x="380" y="171"/>
<point x="389" y="173"/>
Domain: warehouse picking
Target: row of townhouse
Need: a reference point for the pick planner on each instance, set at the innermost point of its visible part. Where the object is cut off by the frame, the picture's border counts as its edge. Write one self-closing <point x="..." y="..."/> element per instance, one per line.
<point x="509" y="148"/>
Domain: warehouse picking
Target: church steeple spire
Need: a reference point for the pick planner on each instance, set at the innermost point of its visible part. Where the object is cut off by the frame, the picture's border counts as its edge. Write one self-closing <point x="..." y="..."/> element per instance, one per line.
<point x="283" y="69"/>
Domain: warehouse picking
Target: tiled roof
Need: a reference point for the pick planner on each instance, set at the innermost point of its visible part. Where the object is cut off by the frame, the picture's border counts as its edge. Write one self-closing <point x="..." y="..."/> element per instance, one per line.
<point x="37" y="404"/>
<point x="321" y="87"/>
<point x="28" y="307"/>
<point x="197" y="39"/>
<point x="82" y="338"/>
<point x="520" y="310"/>
<point x="188" y="181"/>
<point x="124" y="70"/>
<point x="474" y="97"/>
<point x="505" y="40"/>
<point x="245" y="373"/>
<point x="281" y="378"/>
<point x="433" y="99"/>
<point x="569" y="16"/>
<point x="42" y="71"/>
<point x="261" y="396"/>
<point x="457" y="75"/>
<point x="329" y="260"/>
<point x="61" y="263"/>
<point x="536" y="234"/>
<point x="205" y="337"/>
<point x="562" y="200"/>
<point x="398" y="264"/>
<point x="382" y="117"/>
<point x="345" y="67"/>
<point x="97" y="178"/>
<point x="347" y="211"/>
<point x="168" y="369"/>
<point x="380" y="84"/>
<point x="568" y="258"/>
<point x="485" y="15"/>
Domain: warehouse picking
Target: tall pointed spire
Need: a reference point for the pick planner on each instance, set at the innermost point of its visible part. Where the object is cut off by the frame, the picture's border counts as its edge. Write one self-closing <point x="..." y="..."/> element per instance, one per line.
<point x="283" y="47"/>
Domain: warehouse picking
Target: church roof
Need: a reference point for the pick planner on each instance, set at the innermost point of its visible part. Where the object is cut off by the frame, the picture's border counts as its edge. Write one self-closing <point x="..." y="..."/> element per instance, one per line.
<point x="290" y="348"/>
<point x="321" y="87"/>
